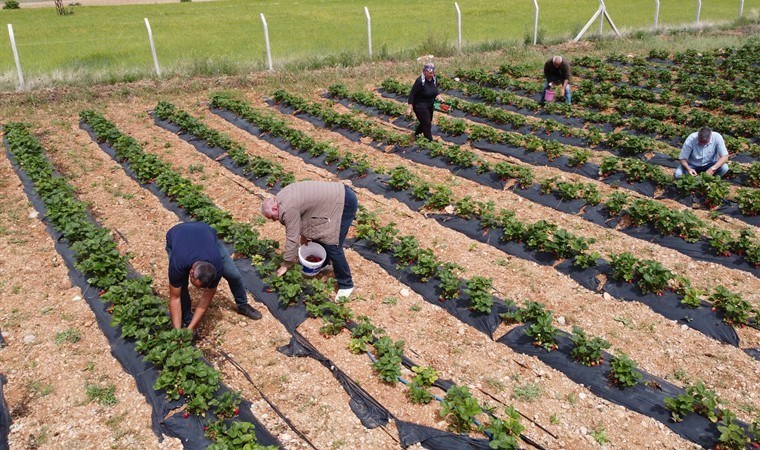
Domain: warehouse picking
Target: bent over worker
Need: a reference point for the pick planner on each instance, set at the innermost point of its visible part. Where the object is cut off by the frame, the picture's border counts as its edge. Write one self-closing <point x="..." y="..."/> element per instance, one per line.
<point x="318" y="211"/>
<point x="197" y="256"/>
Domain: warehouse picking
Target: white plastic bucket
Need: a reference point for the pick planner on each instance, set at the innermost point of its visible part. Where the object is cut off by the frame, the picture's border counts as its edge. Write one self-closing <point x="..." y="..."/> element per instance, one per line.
<point x="312" y="249"/>
<point x="549" y="95"/>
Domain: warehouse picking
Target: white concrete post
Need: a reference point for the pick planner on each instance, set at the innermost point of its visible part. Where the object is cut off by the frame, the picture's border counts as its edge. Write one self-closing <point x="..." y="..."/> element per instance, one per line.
<point x="656" y="13"/>
<point x="535" y="22"/>
<point x="369" y="31"/>
<point x="266" y="41"/>
<point x="741" y="8"/>
<point x="699" y="9"/>
<point x="153" y="48"/>
<point x="15" y="58"/>
<point x="459" y="27"/>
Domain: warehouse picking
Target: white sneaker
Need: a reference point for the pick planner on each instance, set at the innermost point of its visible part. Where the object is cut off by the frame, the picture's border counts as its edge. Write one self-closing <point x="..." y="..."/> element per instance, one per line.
<point x="343" y="293"/>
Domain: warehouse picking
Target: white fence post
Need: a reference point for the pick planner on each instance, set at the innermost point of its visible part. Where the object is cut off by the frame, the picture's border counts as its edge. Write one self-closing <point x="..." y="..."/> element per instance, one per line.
<point x="369" y="31"/>
<point x="15" y="58"/>
<point x="459" y="27"/>
<point x="153" y="48"/>
<point x="699" y="9"/>
<point x="741" y="8"/>
<point x="602" y="8"/>
<point x="535" y="22"/>
<point x="266" y="41"/>
<point x="656" y="13"/>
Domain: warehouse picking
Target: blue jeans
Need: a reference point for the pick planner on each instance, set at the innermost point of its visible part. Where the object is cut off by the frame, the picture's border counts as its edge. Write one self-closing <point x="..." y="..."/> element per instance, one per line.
<point x="230" y="273"/>
<point x="335" y="253"/>
<point x="568" y="93"/>
<point x="680" y="171"/>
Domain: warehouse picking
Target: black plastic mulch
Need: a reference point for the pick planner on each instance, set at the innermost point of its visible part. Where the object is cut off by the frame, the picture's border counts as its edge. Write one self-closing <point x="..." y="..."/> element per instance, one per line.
<point x="459" y="308"/>
<point x="411" y="434"/>
<point x="370" y="412"/>
<point x="190" y="431"/>
<point x="591" y="170"/>
<point x="5" y="416"/>
<point x="700" y="250"/>
<point x="700" y="317"/>
<point x="646" y="398"/>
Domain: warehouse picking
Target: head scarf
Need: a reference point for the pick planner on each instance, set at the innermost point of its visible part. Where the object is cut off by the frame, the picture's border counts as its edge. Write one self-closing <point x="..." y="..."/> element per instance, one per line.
<point x="428" y="67"/>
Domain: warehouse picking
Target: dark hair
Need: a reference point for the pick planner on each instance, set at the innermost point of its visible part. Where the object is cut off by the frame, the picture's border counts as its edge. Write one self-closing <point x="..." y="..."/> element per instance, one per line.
<point x="704" y="134"/>
<point x="205" y="273"/>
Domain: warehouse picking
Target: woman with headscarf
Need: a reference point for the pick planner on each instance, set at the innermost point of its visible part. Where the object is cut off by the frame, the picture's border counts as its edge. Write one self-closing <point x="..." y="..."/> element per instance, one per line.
<point x="421" y="100"/>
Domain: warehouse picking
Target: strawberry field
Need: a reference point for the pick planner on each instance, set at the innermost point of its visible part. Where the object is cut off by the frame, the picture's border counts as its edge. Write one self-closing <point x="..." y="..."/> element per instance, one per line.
<point x="533" y="278"/>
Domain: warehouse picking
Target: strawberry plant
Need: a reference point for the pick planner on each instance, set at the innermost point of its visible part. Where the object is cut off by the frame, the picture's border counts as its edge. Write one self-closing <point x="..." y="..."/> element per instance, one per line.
<point x="531" y="311"/>
<point x="546" y="186"/>
<point x="566" y="245"/>
<point x="732" y="436"/>
<point x="226" y="405"/>
<point x="585" y="260"/>
<point x="421" y="191"/>
<point x="465" y="207"/>
<point x="335" y="316"/>
<point x="705" y="401"/>
<point x="439" y="197"/>
<point x="426" y="265"/>
<point x="401" y="178"/>
<point x="587" y="351"/>
<point x="289" y="286"/>
<point x="753" y="175"/>
<point x="538" y="234"/>
<point x="652" y="276"/>
<point x="735" y="309"/>
<point x="448" y="280"/>
<point x="616" y="202"/>
<point x="452" y="127"/>
<point x="460" y="408"/>
<point x="479" y="290"/>
<point x="542" y="331"/>
<point x="362" y="334"/>
<point x="748" y="201"/>
<point x="506" y="432"/>
<point x="382" y="238"/>
<point x="406" y="251"/>
<point x="388" y="359"/>
<point x="609" y="165"/>
<point x="622" y="266"/>
<point x="679" y="406"/>
<point x="692" y="297"/>
<point x="236" y="435"/>
<point x="579" y="157"/>
<point x="424" y="377"/>
<point x="720" y="241"/>
<point x="623" y="373"/>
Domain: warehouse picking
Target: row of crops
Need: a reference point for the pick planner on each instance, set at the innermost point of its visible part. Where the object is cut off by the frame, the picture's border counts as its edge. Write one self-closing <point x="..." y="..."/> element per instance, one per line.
<point x="643" y="199"/>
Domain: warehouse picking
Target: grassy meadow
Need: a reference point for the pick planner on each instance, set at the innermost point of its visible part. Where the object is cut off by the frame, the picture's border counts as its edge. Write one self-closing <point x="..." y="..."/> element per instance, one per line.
<point x="110" y="43"/>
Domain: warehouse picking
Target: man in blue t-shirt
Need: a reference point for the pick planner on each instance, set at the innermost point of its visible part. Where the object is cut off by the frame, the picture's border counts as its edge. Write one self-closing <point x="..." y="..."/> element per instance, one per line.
<point x="198" y="257"/>
<point x="703" y="151"/>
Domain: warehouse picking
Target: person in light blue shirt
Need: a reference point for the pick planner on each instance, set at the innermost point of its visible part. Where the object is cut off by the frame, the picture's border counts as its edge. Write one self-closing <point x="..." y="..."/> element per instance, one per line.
<point x="703" y="152"/>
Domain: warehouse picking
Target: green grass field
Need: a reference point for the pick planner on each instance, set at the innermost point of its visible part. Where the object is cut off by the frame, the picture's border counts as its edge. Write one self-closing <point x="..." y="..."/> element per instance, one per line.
<point x="110" y="43"/>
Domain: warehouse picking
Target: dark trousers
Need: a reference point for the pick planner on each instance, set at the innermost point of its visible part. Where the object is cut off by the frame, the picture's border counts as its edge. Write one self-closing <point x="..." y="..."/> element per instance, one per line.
<point x="335" y="253"/>
<point x="424" y="113"/>
<point x="230" y="273"/>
